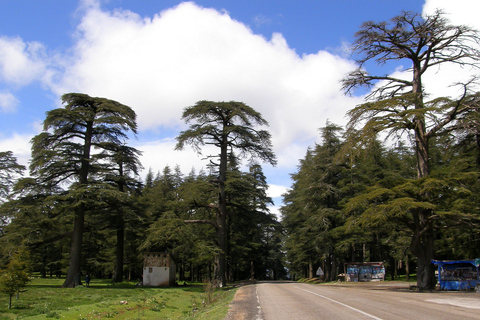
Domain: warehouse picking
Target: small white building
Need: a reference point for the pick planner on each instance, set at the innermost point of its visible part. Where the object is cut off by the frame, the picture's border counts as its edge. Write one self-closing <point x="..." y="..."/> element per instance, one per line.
<point x="158" y="269"/>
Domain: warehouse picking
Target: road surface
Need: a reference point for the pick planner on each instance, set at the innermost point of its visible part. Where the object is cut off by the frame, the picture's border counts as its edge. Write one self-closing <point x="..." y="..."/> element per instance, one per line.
<point x="380" y="300"/>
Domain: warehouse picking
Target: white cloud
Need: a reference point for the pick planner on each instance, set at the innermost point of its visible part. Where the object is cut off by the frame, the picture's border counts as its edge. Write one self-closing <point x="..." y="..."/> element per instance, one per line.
<point x="20" y="62"/>
<point x="8" y="102"/>
<point x="463" y="12"/>
<point x="276" y="191"/>
<point x="188" y="53"/>
<point x="20" y="146"/>
<point x="159" y="154"/>
<point x="159" y="65"/>
<point x="441" y="81"/>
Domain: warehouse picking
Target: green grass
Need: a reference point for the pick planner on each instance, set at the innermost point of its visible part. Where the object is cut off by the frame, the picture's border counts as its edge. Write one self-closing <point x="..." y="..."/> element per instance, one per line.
<point x="45" y="299"/>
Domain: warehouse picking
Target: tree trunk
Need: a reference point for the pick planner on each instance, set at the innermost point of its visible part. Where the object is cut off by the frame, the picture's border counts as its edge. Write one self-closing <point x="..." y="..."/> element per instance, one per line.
<point x="422" y="248"/>
<point x="407" y="268"/>
<point x="423" y="238"/>
<point x="118" y="275"/>
<point x="333" y="270"/>
<point x="219" y="270"/>
<point x="120" y="224"/>
<point x="252" y="271"/>
<point x="73" y="275"/>
<point x="310" y="269"/>
<point x="421" y="151"/>
<point x="220" y="273"/>
<point x="425" y="273"/>
<point x="477" y="140"/>
<point x="421" y="139"/>
<point x="393" y="268"/>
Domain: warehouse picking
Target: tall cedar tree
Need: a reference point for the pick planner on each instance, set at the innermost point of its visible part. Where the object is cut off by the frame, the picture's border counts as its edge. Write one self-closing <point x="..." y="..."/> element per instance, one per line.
<point x="250" y="225"/>
<point x="125" y="163"/>
<point x="63" y="153"/>
<point x="229" y="126"/>
<point x="311" y="211"/>
<point x="399" y="104"/>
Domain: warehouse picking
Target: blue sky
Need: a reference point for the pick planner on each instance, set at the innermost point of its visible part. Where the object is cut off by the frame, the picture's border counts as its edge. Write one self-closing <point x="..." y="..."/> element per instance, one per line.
<point x="283" y="58"/>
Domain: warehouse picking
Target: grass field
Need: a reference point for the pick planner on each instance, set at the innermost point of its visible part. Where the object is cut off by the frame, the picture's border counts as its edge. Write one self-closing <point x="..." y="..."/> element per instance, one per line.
<point x="45" y="299"/>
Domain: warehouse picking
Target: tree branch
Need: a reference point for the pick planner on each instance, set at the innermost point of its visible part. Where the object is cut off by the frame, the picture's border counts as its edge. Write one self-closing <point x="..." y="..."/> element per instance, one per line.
<point x="203" y="222"/>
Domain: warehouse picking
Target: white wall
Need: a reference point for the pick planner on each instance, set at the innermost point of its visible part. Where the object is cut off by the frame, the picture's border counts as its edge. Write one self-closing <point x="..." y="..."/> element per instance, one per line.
<point x="156" y="276"/>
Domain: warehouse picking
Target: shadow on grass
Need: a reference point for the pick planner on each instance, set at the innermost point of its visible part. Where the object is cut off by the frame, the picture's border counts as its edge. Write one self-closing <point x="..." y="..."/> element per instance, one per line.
<point x="107" y="284"/>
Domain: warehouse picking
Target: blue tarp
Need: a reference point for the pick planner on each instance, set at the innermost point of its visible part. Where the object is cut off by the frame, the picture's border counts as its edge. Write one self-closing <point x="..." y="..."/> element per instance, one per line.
<point x="458" y="274"/>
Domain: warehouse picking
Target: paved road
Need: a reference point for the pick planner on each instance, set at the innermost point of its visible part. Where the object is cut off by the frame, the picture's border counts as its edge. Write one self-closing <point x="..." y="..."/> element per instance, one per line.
<point x="290" y="300"/>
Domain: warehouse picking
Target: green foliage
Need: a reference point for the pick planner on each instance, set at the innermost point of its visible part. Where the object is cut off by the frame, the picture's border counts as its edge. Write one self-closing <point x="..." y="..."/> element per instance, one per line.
<point x="356" y="200"/>
<point x="235" y="121"/>
<point x="9" y="170"/>
<point x="229" y="126"/>
<point x="15" y="276"/>
<point x="399" y="105"/>
<point x="63" y="153"/>
<point x="311" y="213"/>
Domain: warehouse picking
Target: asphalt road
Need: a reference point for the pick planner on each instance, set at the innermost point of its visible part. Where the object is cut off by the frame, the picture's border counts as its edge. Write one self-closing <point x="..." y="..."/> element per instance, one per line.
<point x="380" y="300"/>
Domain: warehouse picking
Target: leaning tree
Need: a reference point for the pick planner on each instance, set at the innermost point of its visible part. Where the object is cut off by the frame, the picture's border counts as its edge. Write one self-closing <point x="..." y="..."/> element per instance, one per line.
<point x="230" y="127"/>
<point x="64" y="153"/>
<point x="399" y="103"/>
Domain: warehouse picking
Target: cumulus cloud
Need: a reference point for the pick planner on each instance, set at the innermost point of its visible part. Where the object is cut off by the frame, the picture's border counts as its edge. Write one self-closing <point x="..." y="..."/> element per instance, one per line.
<point x="158" y="154"/>
<point x="21" y="62"/>
<point x="276" y="191"/>
<point x="8" y="102"/>
<point x="159" y="65"/>
<point x="463" y="12"/>
<point x="19" y="144"/>
<point x="441" y="81"/>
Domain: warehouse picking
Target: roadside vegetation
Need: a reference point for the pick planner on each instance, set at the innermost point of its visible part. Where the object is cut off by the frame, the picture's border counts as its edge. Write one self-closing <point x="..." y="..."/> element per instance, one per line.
<point x="45" y="298"/>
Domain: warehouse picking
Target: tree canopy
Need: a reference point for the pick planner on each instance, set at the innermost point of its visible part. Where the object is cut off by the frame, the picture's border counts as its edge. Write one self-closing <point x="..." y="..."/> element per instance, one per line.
<point x="228" y="126"/>
<point x="397" y="105"/>
<point x="64" y="153"/>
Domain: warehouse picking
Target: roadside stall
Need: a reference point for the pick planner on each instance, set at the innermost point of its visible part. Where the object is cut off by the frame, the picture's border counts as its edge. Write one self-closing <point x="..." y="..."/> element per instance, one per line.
<point x="458" y="274"/>
<point x="364" y="271"/>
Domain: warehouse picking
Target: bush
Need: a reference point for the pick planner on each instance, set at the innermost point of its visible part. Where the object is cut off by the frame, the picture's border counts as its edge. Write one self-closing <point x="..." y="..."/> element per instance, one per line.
<point x="16" y="275"/>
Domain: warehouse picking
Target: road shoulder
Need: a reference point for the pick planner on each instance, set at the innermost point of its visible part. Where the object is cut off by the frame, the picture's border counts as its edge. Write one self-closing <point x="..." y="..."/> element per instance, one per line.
<point x="245" y="304"/>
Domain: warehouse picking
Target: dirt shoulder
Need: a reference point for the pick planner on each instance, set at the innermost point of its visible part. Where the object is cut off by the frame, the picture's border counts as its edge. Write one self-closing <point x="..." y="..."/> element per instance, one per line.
<point x="245" y="304"/>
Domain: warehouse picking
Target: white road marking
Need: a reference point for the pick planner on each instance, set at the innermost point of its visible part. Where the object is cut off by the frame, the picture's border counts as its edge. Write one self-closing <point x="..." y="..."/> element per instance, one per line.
<point x="259" y="314"/>
<point x="342" y="304"/>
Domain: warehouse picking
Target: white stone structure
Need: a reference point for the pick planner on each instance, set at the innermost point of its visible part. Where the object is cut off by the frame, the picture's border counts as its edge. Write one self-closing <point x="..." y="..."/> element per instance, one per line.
<point x="158" y="269"/>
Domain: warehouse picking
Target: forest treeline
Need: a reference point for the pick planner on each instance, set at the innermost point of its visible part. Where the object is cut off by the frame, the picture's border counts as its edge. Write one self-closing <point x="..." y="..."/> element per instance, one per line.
<point x="354" y="203"/>
<point x="84" y="209"/>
